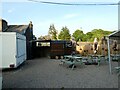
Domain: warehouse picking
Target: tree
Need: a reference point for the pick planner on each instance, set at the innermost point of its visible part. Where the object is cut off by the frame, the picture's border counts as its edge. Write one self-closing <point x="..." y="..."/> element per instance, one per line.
<point x="99" y="33"/>
<point x="64" y="34"/>
<point x="95" y="33"/>
<point x="52" y="32"/>
<point x="89" y="36"/>
<point x="46" y="37"/>
<point x="78" y="35"/>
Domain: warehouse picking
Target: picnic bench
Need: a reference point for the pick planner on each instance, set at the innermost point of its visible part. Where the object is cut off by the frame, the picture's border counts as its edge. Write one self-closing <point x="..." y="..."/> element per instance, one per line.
<point x="99" y="58"/>
<point x="118" y="70"/>
<point x="72" y="60"/>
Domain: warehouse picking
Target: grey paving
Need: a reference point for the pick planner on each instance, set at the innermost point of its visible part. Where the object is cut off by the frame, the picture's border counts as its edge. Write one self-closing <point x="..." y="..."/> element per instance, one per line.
<point x="47" y="73"/>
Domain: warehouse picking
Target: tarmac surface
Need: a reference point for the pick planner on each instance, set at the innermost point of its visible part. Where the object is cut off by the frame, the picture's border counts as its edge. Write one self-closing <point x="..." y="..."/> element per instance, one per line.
<point x="47" y="73"/>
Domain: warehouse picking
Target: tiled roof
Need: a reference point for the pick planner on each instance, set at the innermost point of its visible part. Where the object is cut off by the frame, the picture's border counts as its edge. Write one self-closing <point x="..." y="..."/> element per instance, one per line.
<point x="17" y="28"/>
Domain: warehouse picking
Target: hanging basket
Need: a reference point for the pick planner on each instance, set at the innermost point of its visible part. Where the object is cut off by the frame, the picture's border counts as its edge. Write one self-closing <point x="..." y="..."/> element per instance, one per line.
<point x="106" y="49"/>
<point x="102" y="48"/>
<point x="91" y="48"/>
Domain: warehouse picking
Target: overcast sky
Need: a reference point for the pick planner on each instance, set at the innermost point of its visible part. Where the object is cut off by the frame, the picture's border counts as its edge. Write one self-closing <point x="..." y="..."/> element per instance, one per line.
<point x="86" y="18"/>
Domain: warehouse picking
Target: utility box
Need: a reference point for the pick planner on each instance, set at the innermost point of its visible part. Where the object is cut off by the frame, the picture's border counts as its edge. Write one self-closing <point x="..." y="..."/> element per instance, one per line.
<point x="13" y="49"/>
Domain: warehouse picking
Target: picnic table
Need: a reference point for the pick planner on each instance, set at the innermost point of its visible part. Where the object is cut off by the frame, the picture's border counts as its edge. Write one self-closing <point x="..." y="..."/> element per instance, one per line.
<point x="96" y="58"/>
<point x="115" y="57"/>
<point x="72" y="60"/>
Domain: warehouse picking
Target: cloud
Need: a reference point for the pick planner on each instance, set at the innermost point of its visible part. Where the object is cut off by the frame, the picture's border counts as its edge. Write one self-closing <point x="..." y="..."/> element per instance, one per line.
<point x="69" y="16"/>
<point x="11" y="10"/>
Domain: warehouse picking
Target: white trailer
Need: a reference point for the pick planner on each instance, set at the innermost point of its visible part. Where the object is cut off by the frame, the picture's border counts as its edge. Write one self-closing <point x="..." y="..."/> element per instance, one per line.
<point x="13" y="49"/>
<point x="0" y="82"/>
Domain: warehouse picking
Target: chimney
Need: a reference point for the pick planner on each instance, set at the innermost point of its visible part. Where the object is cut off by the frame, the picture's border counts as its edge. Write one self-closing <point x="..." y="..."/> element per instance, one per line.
<point x="31" y="29"/>
<point x="31" y="25"/>
<point x="3" y="25"/>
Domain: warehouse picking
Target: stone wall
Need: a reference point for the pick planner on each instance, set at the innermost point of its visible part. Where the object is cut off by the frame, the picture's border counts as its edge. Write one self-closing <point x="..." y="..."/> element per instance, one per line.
<point x="86" y="48"/>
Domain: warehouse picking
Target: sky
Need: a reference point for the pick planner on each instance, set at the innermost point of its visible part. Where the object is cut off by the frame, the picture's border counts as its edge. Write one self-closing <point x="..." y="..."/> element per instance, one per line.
<point x="86" y="18"/>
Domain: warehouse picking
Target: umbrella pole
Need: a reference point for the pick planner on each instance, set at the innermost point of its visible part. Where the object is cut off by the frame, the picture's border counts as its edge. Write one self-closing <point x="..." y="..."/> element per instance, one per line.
<point x="108" y="41"/>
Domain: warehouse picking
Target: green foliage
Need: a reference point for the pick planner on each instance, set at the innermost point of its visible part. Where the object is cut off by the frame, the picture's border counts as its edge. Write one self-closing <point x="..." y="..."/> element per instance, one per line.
<point x="78" y="35"/>
<point x="64" y="34"/>
<point x="96" y="33"/>
<point x="99" y="33"/>
<point x="46" y="37"/>
<point x="52" y="32"/>
<point x="89" y="36"/>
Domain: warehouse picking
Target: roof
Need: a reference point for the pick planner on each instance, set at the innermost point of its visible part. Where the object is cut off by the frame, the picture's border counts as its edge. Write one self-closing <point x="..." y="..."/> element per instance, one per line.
<point x="3" y="20"/>
<point x="41" y="40"/>
<point x="17" y="28"/>
<point x="115" y="35"/>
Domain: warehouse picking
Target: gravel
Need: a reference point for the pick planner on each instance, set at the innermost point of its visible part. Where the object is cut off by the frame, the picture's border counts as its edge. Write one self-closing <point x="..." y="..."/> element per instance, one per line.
<point x="47" y="73"/>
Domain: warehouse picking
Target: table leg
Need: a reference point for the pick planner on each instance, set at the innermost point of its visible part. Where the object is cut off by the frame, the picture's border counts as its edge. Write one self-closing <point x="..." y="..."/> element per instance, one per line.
<point x="73" y="66"/>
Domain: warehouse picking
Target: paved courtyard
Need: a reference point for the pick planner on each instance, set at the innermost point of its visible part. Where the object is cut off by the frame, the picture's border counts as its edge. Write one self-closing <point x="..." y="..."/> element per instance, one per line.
<point x="47" y="73"/>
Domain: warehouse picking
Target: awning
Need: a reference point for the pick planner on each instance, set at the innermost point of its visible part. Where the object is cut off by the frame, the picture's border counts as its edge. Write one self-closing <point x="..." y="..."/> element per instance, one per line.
<point x="114" y="36"/>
